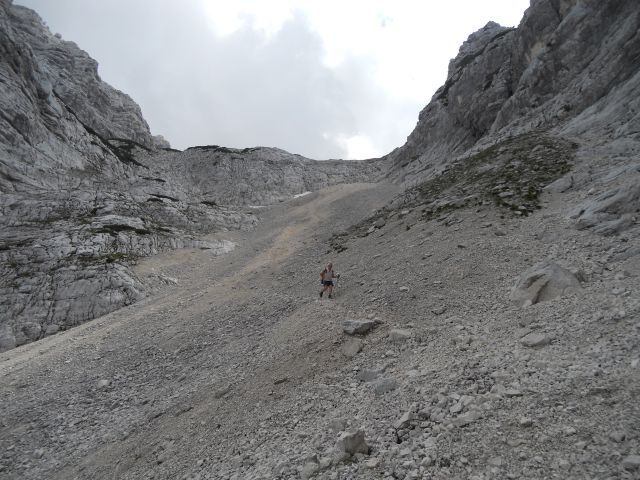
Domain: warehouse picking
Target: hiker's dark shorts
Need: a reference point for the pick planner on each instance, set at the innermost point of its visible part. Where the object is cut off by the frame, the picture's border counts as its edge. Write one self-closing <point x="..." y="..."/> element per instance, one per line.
<point x="327" y="283"/>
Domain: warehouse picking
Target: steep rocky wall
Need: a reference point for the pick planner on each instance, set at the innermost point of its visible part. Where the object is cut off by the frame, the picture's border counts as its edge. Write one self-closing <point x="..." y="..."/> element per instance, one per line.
<point x="86" y="189"/>
<point x="257" y="176"/>
<point x="565" y="57"/>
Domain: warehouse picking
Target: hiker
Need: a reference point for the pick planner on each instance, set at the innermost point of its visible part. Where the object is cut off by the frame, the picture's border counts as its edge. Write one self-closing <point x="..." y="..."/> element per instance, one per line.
<point x="326" y="279"/>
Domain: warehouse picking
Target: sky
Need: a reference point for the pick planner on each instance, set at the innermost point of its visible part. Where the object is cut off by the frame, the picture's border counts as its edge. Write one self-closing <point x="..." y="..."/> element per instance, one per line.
<point x="324" y="79"/>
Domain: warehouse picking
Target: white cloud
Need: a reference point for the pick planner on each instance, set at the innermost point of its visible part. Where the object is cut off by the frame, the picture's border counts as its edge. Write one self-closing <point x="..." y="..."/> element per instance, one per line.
<point x="278" y="73"/>
<point x="357" y="146"/>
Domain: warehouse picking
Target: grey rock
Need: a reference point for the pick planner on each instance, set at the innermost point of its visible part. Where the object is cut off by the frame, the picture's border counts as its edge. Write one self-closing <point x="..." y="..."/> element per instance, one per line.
<point x="384" y="385"/>
<point x="456" y="408"/>
<point x="398" y="335"/>
<point x="618" y="436"/>
<point x="309" y="470"/>
<point x="368" y="375"/>
<point x="31" y="330"/>
<point x="500" y="83"/>
<point x="352" y="443"/>
<point x="404" y="421"/>
<point x="7" y="338"/>
<point x="544" y="281"/>
<point x="351" y="347"/>
<point x="104" y="383"/>
<point x="631" y="462"/>
<point x="535" y="340"/>
<point x="613" y="211"/>
<point x="338" y="424"/>
<point x="512" y="392"/>
<point x="466" y="418"/>
<point x="525" y="422"/>
<point x="358" y="327"/>
<point x="51" y="329"/>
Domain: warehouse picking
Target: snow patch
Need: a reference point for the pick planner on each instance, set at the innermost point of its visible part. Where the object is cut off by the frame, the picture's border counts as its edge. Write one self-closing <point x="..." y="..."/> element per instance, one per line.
<point x="301" y="194"/>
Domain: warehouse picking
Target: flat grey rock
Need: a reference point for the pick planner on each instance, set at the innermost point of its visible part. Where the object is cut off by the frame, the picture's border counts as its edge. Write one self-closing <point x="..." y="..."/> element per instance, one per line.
<point x="534" y="339"/>
<point x="542" y="282"/>
<point x="352" y="443"/>
<point x="358" y="327"/>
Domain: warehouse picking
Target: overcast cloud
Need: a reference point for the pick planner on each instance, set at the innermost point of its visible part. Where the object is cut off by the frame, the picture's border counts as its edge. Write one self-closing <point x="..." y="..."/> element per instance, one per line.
<point x="324" y="79"/>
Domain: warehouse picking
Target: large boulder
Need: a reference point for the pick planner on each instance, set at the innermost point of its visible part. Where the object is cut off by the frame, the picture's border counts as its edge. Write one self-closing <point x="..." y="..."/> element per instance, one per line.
<point x="611" y="212"/>
<point x="544" y="281"/>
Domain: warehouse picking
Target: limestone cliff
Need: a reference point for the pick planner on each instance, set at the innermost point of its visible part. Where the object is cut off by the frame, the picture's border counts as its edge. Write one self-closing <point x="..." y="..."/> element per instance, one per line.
<point x="565" y="61"/>
<point x="85" y="188"/>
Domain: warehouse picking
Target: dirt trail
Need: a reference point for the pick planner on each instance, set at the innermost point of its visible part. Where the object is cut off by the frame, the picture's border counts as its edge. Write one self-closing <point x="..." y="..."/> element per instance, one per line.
<point x="230" y="324"/>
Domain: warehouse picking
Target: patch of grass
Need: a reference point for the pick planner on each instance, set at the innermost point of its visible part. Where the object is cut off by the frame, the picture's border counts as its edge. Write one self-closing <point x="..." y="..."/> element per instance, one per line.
<point x="510" y="174"/>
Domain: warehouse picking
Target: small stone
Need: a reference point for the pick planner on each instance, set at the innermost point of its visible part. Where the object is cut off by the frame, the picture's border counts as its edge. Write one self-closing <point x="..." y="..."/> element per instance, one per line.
<point x="38" y="453"/>
<point x="457" y="408"/>
<point x="427" y="461"/>
<point x="569" y="431"/>
<point x="351" y="347"/>
<point x="526" y="422"/>
<point x="358" y="327"/>
<point x="512" y="392"/>
<point x="618" y="436"/>
<point x="404" y="421"/>
<point x="398" y="335"/>
<point x="535" y="340"/>
<point x="222" y="391"/>
<point x="352" y="443"/>
<point x="495" y="461"/>
<point x="309" y="470"/>
<point x="439" y="310"/>
<point x="338" y="424"/>
<point x="103" y="383"/>
<point x="372" y="463"/>
<point x="466" y="418"/>
<point x="404" y="289"/>
<point x="632" y="462"/>
<point x="367" y="375"/>
<point x="384" y="385"/>
<point x="380" y="223"/>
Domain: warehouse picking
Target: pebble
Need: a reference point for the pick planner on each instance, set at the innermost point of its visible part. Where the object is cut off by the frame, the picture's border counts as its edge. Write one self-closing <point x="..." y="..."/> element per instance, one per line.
<point x="398" y="335"/>
<point x="525" y="422"/>
<point x="384" y="385"/>
<point x="535" y="340"/>
<point x="352" y="443"/>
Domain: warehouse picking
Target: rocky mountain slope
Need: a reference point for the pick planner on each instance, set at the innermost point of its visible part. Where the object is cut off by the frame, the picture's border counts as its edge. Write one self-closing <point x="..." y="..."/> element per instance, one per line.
<point x="86" y="189"/>
<point x="485" y="324"/>
<point x="567" y="60"/>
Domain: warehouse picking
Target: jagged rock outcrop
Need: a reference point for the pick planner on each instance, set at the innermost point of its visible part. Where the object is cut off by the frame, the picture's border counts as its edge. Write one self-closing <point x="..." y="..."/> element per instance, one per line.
<point x="565" y="61"/>
<point x="85" y="188"/>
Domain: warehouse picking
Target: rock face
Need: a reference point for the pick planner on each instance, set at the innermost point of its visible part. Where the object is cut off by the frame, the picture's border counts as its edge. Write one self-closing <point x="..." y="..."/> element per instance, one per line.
<point x="85" y="188"/>
<point x="565" y="61"/>
<point x="542" y="282"/>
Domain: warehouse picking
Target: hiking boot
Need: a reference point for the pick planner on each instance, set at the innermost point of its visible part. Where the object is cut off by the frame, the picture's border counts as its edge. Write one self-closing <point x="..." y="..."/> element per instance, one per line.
<point x="330" y="296"/>
<point x="321" y="294"/>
